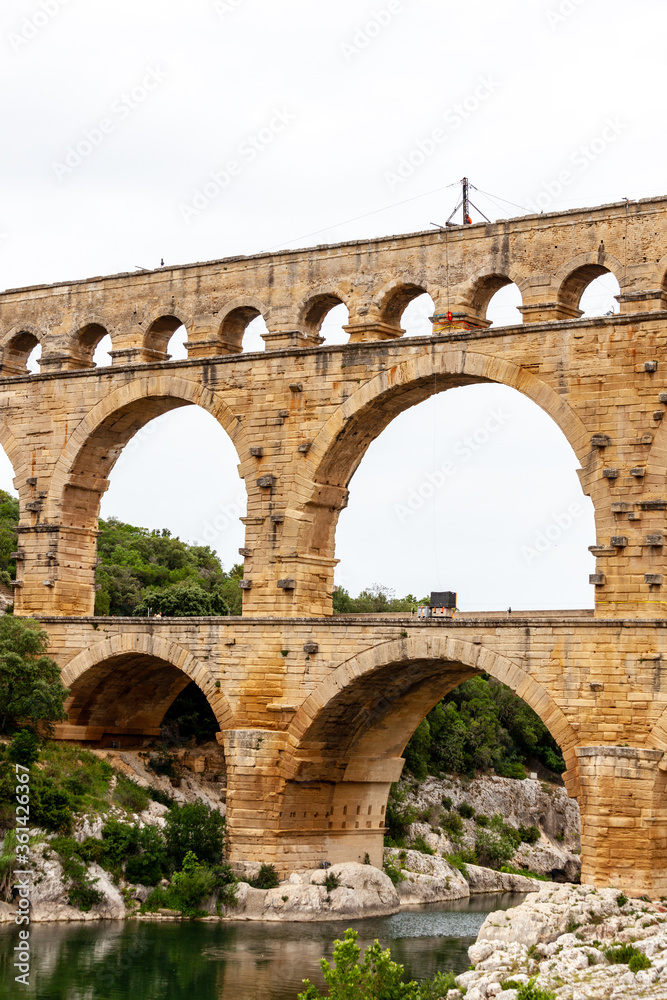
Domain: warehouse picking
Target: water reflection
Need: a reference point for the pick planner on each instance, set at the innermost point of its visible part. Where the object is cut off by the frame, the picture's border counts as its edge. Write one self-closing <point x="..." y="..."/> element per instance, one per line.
<point x="229" y="961"/>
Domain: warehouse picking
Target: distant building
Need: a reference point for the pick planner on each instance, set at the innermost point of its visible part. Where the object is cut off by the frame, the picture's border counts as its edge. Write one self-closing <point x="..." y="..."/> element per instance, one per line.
<point x="442" y="605"/>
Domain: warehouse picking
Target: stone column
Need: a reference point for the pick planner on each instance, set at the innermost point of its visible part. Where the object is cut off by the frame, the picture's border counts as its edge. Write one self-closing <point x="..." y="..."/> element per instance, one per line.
<point x="623" y="806"/>
<point x="254" y="792"/>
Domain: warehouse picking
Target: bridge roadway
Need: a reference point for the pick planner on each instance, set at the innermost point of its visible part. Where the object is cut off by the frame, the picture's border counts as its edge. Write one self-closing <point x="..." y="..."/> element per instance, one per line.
<point x="315" y="713"/>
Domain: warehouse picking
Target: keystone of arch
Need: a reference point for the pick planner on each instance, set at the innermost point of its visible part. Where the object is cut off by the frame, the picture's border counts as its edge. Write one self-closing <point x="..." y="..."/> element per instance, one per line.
<point x="159" y="648"/>
<point x="448" y="649"/>
<point x="155" y="386"/>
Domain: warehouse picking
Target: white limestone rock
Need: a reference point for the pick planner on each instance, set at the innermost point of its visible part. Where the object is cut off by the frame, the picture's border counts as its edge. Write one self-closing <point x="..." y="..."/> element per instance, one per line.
<point x="427" y="879"/>
<point x="487" y="880"/>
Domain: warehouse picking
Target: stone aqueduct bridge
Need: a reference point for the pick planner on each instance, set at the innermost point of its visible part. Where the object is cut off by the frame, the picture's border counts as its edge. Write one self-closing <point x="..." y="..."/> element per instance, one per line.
<point x="315" y="711"/>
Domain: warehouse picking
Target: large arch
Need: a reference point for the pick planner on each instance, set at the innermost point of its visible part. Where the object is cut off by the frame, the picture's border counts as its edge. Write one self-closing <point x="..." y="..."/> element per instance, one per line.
<point x="341" y="444"/>
<point x="127" y="682"/>
<point x="95" y="444"/>
<point x="370" y="705"/>
<point x="572" y="279"/>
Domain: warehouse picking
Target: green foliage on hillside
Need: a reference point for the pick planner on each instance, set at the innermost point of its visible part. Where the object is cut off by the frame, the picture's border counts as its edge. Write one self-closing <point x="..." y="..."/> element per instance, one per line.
<point x="31" y="692"/>
<point x="374" y="600"/>
<point x="9" y="519"/>
<point x="481" y="726"/>
<point x="140" y="569"/>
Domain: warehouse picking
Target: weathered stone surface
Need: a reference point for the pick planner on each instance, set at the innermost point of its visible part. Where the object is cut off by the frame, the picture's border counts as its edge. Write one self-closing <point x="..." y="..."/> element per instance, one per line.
<point x="48" y="893"/>
<point x="427" y="879"/>
<point x="363" y="891"/>
<point x="487" y="880"/>
<point x="528" y="941"/>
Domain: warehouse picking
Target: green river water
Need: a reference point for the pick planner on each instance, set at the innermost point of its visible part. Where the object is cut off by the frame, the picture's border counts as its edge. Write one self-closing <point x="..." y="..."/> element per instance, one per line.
<point x="123" y="960"/>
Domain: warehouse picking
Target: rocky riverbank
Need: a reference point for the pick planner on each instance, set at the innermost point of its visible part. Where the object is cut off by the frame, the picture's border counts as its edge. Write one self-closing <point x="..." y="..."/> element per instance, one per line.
<point x="527" y="803"/>
<point x="575" y="943"/>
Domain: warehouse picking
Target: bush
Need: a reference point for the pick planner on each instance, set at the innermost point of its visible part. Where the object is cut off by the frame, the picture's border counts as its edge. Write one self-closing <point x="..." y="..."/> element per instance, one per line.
<point x="461" y="859"/>
<point x="267" y="878"/>
<point x="622" y="899"/>
<point x="452" y="823"/>
<point x="394" y="871"/>
<point x="81" y="887"/>
<point x="437" y="987"/>
<point x="529" y="991"/>
<point x="465" y="811"/>
<point x="399" y="817"/>
<point x="196" y="828"/>
<point x="481" y="819"/>
<point x="416" y="752"/>
<point x="130" y="795"/>
<point x="191" y="886"/>
<point x="447" y="802"/>
<point x="529" y="834"/>
<point x="331" y="881"/>
<point x="30" y="686"/>
<point x="493" y="849"/>
<point x="419" y="844"/>
<point x="376" y="976"/>
<point x="627" y="954"/>
<point x="512" y="770"/>
<point x="639" y="962"/>
<point x="50" y="807"/>
<point x="24" y="748"/>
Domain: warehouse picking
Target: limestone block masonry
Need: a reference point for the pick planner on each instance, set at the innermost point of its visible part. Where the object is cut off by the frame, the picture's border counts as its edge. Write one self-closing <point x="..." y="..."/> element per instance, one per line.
<point x="315" y="711"/>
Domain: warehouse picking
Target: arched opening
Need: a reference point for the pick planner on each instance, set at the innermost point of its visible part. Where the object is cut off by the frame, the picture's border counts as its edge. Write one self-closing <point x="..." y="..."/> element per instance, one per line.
<point x="332" y="329"/>
<point x="503" y="306"/>
<point x="599" y="297"/>
<point x="323" y="317"/>
<point x="179" y="473"/>
<point x="495" y="298"/>
<point x="176" y="348"/>
<point x="87" y="342"/>
<point x="102" y="355"/>
<point x="21" y="355"/>
<point x="416" y="318"/>
<point x="242" y="330"/>
<point x="177" y="480"/>
<point x="351" y="734"/>
<point x="403" y="300"/>
<point x="478" y="491"/>
<point x="160" y="335"/>
<point x="589" y="290"/>
<point x="127" y="697"/>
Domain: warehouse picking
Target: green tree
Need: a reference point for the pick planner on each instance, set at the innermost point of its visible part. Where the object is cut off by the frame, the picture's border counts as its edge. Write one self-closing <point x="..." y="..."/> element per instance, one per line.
<point x="377" y="977"/>
<point x="9" y="519"/>
<point x="31" y="691"/>
<point x="195" y="827"/>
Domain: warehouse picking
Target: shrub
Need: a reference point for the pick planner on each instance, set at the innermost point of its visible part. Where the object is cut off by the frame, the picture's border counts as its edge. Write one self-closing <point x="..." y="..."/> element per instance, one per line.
<point x="465" y="811"/>
<point x="481" y="819"/>
<point x="419" y="844"/>
<point x="461" y="858"/>
<point x="493" y="849"/>
<point x="622" y="899"/>
<point x="24" y="748"/>
<point x="627" y="954"/>
<point x="513" y="770"/>
<point x="529" y="834"/>
<point x="452" y="823"/>
<point x="130" y="795"/>
<point x="267" y="878"/>
<point x="529" y="991"/>
<point x="437" y="987"/>
<point x="30" y="686"/>
<point x="399" y="817"/>
<point x="447" y="802"/>
<point x="50" y="806"/>
<point x="394" y="871"/>
<point x="81" y="887"/>
<point x="331" y="881"/>
<point x="194" y="827"/>
<point x="639" y="962"/>
<point x="375" y="976"/>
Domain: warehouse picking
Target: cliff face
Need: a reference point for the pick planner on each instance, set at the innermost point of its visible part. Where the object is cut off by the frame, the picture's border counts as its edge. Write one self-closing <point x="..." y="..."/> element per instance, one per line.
<point x="520" y="803"/>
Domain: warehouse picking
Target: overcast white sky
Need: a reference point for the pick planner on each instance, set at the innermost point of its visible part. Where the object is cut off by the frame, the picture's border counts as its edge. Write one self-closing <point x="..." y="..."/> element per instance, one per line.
<point x="521" y="91"/>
